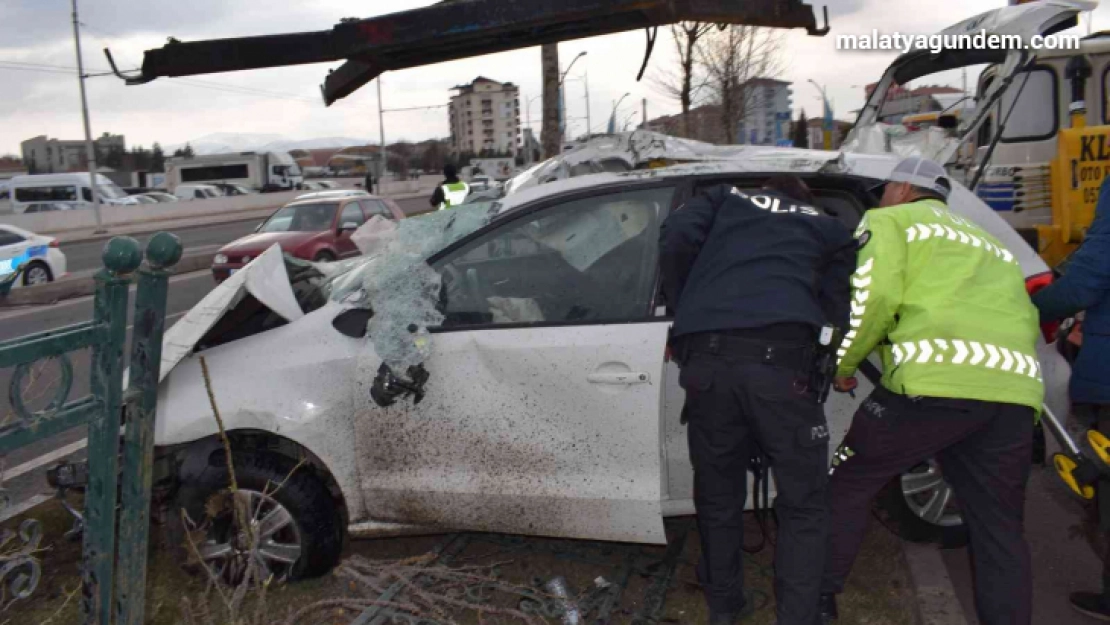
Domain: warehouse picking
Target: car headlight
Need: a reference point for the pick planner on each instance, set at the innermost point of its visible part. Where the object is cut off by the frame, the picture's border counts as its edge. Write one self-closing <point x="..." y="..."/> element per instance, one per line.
<point x="220" y="259"/>
<point x="246" y="259"/>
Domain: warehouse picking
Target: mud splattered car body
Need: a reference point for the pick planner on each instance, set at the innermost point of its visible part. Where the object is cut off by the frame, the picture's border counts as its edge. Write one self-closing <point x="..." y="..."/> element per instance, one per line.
<point x="550" y="409"/>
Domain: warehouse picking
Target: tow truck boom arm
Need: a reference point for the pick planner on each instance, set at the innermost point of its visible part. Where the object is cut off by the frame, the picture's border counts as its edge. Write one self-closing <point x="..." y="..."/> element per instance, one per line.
<point x="452" y="30"/>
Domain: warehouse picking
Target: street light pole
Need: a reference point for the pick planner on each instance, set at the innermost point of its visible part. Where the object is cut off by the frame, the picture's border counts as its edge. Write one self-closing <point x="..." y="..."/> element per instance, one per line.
<point x="528" y="122"/>
<point x="826" y="122"/>
<point x="562" y="99"/>
<point x="616" y="105"/>
<point x="90" y="147"/>
<point x="381" y="131"/>
<point x="589" y="124"/>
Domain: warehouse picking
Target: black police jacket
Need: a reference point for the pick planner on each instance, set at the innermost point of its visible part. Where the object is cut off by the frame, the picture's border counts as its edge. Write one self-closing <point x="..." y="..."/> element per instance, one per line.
<point x="733" y="260"/>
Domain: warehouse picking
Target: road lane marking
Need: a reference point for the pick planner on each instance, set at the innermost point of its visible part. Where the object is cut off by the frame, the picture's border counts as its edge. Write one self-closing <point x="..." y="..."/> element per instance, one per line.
<point x="23" y="506"/>
<point x="45" y="459"/>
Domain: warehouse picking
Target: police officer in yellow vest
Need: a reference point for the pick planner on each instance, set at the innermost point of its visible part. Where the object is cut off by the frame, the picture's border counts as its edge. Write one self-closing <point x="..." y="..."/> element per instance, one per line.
<point x="945" y="306"/>
<point x="451" y="192"/>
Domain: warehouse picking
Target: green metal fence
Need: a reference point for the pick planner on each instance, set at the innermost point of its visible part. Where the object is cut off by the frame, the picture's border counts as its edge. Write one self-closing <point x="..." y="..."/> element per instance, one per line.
<point x="112" y="579"/>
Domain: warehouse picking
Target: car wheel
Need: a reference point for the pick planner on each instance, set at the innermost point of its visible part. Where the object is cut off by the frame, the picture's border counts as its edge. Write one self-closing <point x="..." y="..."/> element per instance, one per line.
<point x="297" y="526"/>
<point x="37" y="273"/>
<point x="920" y="506"/>
<point x="324" y="257"/>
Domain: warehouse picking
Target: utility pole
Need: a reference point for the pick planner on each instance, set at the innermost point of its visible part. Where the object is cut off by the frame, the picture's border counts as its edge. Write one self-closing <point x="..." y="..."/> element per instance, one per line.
<point x="550" y="135"/>
<point x="381" y="131"/>
<point x="90" y="147"/>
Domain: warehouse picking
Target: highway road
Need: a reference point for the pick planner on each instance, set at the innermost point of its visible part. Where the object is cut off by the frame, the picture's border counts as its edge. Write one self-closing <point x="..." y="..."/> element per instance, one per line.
<point x="84" y="256"/>
<point x="28" y="486"/>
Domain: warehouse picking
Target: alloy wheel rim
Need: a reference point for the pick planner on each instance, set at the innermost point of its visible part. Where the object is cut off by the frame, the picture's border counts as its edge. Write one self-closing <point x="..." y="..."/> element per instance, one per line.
<point x="930" y="497"/>
<point x="37" y="275"/>
<point x="270" y="539"/>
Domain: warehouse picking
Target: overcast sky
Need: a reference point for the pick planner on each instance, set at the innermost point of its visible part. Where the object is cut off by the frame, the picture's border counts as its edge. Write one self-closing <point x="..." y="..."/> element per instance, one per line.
<point x="286" y="101"/>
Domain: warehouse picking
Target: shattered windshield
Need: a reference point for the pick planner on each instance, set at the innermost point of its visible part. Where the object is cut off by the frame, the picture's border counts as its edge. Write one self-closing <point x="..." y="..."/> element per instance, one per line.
<point x="395" y="281"/>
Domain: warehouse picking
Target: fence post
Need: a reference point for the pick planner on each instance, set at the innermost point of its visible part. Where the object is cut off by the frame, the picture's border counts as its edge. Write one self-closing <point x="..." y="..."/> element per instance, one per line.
<point x="163" y="251"/>
<point x="121" y="257"/>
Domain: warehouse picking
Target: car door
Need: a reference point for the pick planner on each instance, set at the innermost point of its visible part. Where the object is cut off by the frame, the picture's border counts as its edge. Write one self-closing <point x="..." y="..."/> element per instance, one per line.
<point x="349" y="215"/>
<point x="543" y="410"/>
<point x="13" y="248"/>
<point x="377" y="207"/>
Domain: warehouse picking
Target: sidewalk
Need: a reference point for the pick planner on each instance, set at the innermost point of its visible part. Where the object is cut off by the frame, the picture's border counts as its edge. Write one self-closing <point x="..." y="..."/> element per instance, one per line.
<point x="1063" y="559"/>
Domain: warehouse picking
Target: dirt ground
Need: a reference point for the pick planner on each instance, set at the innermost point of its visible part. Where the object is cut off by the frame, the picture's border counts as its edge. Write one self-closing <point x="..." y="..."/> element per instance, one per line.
<point x="633" y="584"/>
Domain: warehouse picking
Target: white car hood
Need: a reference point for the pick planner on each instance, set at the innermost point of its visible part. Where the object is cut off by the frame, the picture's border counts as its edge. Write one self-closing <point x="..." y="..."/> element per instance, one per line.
<point x="869" y="136"/>
<point x="265" y="278"/>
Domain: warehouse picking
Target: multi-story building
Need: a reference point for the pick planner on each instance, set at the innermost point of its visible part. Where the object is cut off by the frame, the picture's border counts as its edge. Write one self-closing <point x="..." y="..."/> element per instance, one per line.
<point x="44" y="155"/>
<point x="485" y="116"/>
<point x="768" y="111"/>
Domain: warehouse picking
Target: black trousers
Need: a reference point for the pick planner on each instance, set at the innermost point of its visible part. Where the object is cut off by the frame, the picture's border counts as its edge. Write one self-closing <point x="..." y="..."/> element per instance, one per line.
<point x="731" y="406"/>
<point x="985" y="452"/>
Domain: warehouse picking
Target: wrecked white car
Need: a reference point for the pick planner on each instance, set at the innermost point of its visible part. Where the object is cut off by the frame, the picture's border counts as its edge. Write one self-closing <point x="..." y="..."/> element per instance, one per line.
<point x="525" y="389"/>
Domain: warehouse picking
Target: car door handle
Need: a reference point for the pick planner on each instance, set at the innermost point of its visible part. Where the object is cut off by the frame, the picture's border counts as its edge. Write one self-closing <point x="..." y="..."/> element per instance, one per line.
<point x="626" y="378"/>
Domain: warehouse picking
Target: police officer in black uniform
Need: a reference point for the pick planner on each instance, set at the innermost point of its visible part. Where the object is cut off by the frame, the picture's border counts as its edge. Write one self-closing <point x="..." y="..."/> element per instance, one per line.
<point x="753" y="278"/>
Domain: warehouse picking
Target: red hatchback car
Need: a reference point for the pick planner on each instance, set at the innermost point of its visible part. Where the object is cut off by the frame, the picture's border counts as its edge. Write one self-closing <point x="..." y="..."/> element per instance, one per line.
<point x="312" y="229"/>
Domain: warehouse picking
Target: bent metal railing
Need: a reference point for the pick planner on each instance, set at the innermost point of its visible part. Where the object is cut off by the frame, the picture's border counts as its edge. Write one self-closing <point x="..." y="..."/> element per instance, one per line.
<point x="111" y="583"/>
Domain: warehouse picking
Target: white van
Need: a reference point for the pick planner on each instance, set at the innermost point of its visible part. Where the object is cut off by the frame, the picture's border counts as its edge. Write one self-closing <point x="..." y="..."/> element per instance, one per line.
<point x="70" y="189"/>
<point x="197" y="192"/>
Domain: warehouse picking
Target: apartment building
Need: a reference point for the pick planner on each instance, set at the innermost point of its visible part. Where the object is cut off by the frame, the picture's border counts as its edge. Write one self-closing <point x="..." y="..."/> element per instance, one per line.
<point x="485" y="115"/>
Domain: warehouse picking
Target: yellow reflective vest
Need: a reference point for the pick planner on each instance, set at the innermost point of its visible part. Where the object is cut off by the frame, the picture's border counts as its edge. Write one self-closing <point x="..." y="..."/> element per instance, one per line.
<point x="945" y="304"/>
<point x="454" y="194"/>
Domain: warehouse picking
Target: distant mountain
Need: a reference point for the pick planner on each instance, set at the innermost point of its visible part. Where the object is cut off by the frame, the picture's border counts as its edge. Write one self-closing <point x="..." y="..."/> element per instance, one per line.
<point x="229" y="142"/>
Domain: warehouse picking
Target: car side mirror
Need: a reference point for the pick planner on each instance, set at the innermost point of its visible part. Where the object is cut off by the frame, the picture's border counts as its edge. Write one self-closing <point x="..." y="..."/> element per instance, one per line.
<point x="353" y="322"/>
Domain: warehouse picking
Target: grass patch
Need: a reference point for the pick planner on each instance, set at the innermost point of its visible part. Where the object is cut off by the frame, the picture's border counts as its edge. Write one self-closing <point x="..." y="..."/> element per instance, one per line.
<point x="879" y="592"/>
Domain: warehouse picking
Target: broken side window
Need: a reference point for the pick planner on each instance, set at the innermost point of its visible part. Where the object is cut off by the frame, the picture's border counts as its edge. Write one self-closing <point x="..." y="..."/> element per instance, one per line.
<point x="586" y="260"/>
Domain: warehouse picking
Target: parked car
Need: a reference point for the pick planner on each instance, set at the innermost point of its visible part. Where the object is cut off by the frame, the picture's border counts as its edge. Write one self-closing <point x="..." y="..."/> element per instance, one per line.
<point x="232" y="189"/>
<point x="328" y="184"/>
<point x="320" y="195"/>
<point x="37" y="255"/>
<point x="197" y="192"/>
<point x="161" y="197"/>
<point x="314" y="229"/>
<point x="550" y="409"/>
<point x="46" y="207"/>
<point x="143" y="199"/>
<point x="312" y="185"/>
<point x="72" y="189"/>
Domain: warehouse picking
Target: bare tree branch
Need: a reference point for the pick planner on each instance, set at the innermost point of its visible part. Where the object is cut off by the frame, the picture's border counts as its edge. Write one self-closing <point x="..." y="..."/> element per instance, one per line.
<point x="684" y="83"/>
<point x="731" y="59"/>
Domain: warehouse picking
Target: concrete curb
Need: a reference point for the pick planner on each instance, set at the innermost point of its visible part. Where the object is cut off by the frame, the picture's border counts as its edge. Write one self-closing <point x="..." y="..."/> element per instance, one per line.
<point x="937" y="603"/>
<point x="68" y="289"/>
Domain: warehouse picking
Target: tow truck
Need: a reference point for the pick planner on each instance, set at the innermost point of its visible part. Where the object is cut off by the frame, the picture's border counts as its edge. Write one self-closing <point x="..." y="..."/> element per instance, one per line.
<point x="456" y="29"/>
<point x="1037" y="147"/>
